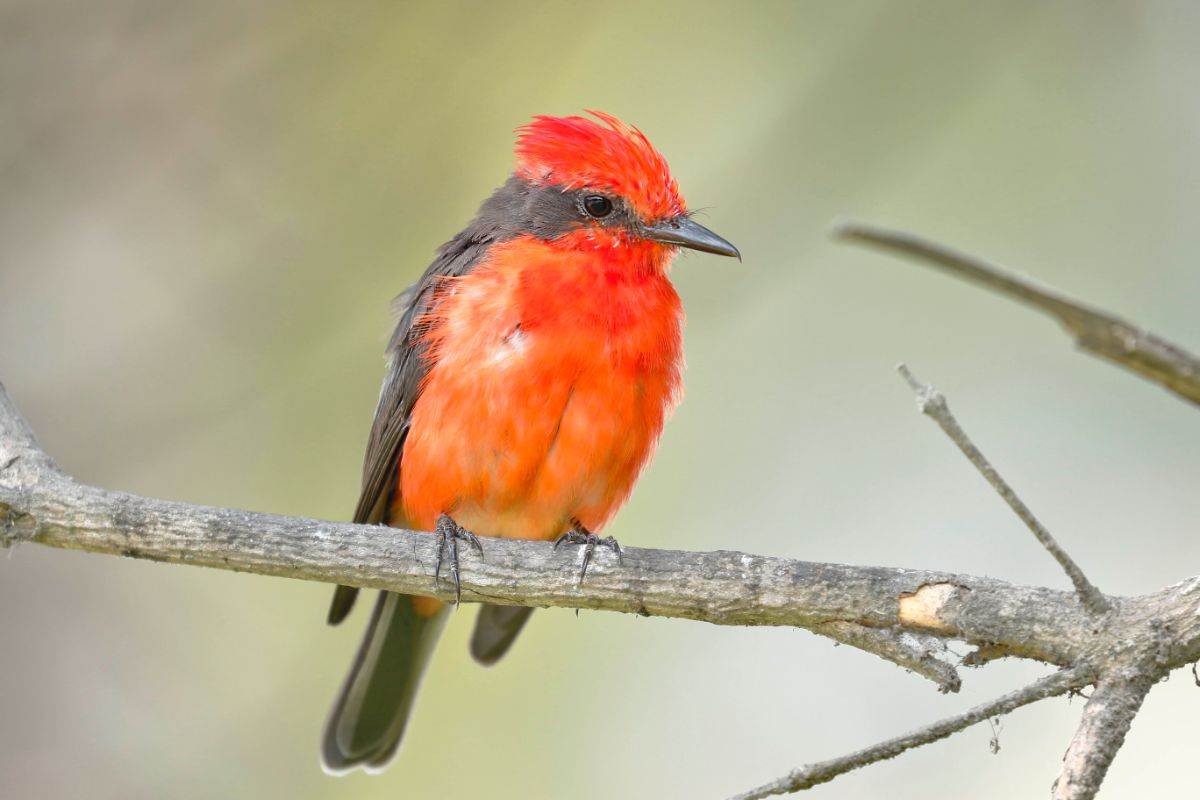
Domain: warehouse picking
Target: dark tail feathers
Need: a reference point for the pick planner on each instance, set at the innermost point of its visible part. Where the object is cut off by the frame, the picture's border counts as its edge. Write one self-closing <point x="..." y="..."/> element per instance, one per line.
<point x="368" y="720"/>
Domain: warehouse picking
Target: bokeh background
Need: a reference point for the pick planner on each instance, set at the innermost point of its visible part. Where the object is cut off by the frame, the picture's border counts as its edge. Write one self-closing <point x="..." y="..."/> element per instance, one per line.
<point x="207" y="207"/>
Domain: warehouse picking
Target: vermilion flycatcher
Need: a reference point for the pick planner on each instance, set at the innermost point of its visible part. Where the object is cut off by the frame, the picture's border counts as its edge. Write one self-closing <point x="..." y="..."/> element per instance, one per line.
<point x="528" y="380"/>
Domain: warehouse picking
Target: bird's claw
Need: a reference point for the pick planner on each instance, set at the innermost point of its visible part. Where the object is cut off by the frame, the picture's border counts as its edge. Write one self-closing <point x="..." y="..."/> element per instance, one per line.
<point x="448" y="533"/>
<point x="590" y="541"/>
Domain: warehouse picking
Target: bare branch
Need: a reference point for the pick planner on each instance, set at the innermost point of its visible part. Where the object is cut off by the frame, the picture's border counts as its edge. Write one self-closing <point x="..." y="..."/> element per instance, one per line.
<point x="933" y="404"/>
<point x="1096" y="331"/>
<point x="812" y="775"/>
<point x="913" y="651"/>
<point x="1102" y="727"/>
<point x="40" y="503"/>
<point x="726" y="588"/>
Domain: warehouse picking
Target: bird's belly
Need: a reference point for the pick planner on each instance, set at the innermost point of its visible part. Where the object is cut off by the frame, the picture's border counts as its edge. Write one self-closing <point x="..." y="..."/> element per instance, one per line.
<point x="528" y="445"/>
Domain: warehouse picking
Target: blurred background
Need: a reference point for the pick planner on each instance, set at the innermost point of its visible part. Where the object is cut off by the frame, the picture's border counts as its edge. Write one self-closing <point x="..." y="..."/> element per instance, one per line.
<point x="206" y="209"/>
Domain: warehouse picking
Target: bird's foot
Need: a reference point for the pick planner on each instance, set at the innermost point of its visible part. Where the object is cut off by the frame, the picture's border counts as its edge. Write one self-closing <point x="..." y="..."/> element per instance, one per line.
<point x="590" y="541"/>
<point x="448" y="534"/>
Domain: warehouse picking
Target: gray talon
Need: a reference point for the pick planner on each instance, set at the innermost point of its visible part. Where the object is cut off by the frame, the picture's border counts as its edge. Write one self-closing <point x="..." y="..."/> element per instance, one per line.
<point x="589" y="540"/>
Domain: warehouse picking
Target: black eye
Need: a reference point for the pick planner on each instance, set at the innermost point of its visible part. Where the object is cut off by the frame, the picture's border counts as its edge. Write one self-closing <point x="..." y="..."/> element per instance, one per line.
<point x="597" y="206"/>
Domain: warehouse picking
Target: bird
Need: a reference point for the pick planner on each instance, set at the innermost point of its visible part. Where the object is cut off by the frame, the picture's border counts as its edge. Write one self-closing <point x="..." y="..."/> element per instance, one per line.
<point x="530" y="374"/>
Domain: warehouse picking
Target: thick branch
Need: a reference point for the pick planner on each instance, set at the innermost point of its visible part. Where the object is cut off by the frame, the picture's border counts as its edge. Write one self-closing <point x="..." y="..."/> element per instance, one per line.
<point x="1096" y="331"/>
<point x="1106" y="719"/>
<point x="39" y="503"/>
<point x="815" y="774"/>
<point x="727" y="588"/>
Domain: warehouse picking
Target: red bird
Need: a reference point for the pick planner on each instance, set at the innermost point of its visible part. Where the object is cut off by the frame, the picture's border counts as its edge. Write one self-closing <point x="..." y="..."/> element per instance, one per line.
<point x="528" y="381"/>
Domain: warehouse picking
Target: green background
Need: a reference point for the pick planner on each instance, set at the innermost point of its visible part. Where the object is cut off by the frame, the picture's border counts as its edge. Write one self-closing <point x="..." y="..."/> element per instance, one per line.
<point x="206" y="209"/>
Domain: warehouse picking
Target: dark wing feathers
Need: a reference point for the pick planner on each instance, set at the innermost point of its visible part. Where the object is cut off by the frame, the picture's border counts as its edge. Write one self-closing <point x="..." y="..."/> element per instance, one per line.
<point x="500" y="218"/>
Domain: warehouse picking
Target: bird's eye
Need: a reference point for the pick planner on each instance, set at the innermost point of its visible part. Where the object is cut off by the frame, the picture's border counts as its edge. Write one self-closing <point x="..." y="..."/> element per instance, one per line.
<point x="597" y="206"/>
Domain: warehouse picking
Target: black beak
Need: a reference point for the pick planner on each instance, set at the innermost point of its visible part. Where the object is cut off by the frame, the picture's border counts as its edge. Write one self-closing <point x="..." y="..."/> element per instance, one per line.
<point x="684" y="232"/>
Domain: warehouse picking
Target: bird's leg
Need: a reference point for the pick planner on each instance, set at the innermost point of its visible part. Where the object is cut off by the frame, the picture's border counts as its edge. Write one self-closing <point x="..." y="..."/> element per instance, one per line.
<point x="581" y="535"/>
<point x="448" y="533"/>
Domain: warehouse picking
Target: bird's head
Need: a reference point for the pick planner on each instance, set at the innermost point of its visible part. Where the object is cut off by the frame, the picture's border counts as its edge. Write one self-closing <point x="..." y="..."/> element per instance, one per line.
<point x="607" y="187"/>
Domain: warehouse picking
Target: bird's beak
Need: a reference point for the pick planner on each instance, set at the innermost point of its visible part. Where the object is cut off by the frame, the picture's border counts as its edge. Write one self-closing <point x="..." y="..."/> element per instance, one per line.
<point x="684" y="232"/>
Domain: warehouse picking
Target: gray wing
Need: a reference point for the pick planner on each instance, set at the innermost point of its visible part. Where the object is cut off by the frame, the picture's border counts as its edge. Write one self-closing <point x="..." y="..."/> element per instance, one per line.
<point x="407" y="368"/>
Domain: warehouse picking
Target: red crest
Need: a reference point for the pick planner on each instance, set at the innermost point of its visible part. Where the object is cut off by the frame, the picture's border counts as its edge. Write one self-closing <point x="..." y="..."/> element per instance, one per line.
<point x="574" y="152"/>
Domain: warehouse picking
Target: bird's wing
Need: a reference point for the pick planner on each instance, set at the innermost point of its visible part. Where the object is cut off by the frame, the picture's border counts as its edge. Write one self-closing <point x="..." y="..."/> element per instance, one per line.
<point x="406" y="369"/>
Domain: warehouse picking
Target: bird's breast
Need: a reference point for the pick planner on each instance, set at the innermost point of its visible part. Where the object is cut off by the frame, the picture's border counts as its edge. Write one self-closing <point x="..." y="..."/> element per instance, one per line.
<point x="549" y="381"/>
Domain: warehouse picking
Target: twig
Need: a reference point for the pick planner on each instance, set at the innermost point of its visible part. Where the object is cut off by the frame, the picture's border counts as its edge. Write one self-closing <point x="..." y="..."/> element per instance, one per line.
<point x="1102" y="727"/>
<point x="1056" y="683"/>
<point x="933" y="404"/>
<point x="913" y="651"/>
<point x="1098" y="332"/>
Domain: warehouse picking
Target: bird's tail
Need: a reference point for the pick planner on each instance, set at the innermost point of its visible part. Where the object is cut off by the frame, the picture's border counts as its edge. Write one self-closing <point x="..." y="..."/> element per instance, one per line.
<point x="496" y="628"/>
<point x="368" y="719"/>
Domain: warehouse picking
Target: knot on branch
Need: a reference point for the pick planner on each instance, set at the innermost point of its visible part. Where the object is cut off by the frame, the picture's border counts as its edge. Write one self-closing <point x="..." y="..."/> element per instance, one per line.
<point x="15" y="526"/>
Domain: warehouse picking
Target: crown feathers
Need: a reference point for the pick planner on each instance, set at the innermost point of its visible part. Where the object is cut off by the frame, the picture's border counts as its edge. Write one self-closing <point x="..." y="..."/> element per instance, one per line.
<point x="577" y="152"/>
